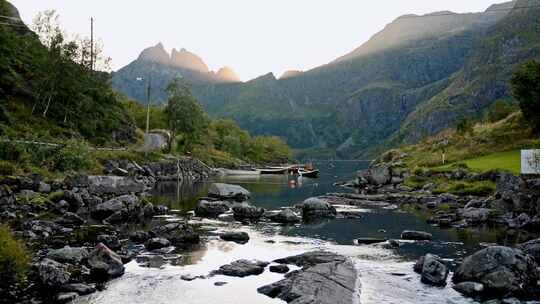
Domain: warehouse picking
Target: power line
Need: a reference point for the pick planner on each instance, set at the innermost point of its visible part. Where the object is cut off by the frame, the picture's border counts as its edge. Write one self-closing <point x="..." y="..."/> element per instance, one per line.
<point x="453" y="14"/>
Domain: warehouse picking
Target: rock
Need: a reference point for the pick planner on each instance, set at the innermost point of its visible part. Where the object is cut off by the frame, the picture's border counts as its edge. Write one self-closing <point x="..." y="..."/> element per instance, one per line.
<point x="242" y="268"/>
<point x="470" y="289"/>
<point x="211" y="208"/>
<point x="312" y="258"/>
<point x="416" y="235"/>
<point x="115" y="185"/>
<point x="66" y="297"/>
<point x="313" y="208"/>
<point x="70" y="218"/>
<point x="73" y="255"/>
<point x="376" y="175"/>
<point x="189" y="277"/>
<point x="79" y="288"/>
<point x="220" y="283"/>
<point x="227" y="191"/>
<point x="285" y="216"/>
<point x="502" y="270"/>
<point x="327" y="283"/>
<point x="139" y="236"/>
<point x="104" y="263"/>
<point x="510" y="192"/>
<point x="126" y="203"/>
<point x="74" y="200"/>
<point x="239" y="237"/>
<point x="368" y="241"/>
<point x="52" y="273"/>
<point x="532" y="248"/>
<point x="433" y="270"/>
<point x="111" y="241"/>
<point x="245" y="211"/>
<point x="476" y="215"/>
<point x="44" y="187"/>
<point x="157" y="243"/>
<point x="279" y="268"/>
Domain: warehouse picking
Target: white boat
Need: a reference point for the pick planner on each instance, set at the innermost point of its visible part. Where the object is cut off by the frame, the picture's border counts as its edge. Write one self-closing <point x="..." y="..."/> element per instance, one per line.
<point x="239" y="172"/>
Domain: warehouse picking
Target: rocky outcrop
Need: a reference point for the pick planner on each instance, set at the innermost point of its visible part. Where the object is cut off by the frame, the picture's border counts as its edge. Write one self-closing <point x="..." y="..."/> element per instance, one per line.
<point x="333" y="281"/>
<point x="501" y="270"/>
<point x="228" y="192"/>
<point x="377" y="175"/>
<point x="242" y="268"/>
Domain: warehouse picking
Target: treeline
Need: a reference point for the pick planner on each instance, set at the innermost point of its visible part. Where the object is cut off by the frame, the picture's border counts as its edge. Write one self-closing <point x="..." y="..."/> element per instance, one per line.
<point x="216" y="141"/>
<point x="48" y="86"/>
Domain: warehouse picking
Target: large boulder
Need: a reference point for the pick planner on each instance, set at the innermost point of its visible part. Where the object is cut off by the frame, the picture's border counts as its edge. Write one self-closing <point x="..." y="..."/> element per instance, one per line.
<point x="532" y="248"/>
<point x="245" y="211"/>
<point x="376" y="175"/>
<point x="52" y="273"/>
<point x="125" y="204"/>
<point x="475" y="215"/>
<point x="501" y="270"/>
<point x="211" y="208"/>
<point x="327" y="283"/>
<point x="242" y="268"/>
<point x="73" y="255"/>
<point x="510" y="193"/>
<point x="433" y="270"/>
<point x="285" y="216"/>
<point x="312" y="258"/>
<point x="228" y="192"/>
<point x="157" y="243"/>
<point x="315" y="207"/>
<point x="104" y="263"/>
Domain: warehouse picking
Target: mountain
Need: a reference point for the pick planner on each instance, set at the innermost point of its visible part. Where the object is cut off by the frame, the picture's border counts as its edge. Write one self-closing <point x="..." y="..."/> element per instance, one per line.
<point x="290" y="73"/>
<point x="418" y="76"/>
<point x="156" y="64"/>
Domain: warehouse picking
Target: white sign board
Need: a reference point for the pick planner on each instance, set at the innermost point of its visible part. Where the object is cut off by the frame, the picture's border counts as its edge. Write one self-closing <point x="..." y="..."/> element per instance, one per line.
<point x="530" y="161"/>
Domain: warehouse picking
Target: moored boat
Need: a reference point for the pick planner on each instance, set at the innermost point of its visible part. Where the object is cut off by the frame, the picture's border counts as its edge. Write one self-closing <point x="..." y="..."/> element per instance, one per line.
<point x="309" y="173"/>
<point x="240" y="172"/>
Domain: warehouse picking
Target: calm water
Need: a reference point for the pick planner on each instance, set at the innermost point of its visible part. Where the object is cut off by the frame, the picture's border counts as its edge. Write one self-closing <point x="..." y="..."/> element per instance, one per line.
<point x="386" y="275"/>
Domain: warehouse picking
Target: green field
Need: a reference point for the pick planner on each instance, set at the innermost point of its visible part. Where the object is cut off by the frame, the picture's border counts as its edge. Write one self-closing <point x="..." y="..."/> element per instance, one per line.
<point x="509" y="160"/>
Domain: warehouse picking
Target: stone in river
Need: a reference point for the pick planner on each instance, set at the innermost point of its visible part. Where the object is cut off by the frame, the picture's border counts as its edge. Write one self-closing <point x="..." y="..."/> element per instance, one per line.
<point x="226" y="191"/>
<point x="433" y="270"/>
<point x="104" y="263"/>
<point x="279" y="268"/>
<point x="211" y="208"/>
<point x="285" y="216"/>
<point x="52" y="273"/>
<point x="315" y="207"/>
<point x="469" y="288"/>
<point x="245" y="211"/>
<point x="368" y="241"/>
<point x="416" y="235"/>
<point x="156" y="243"/>
<point x="239" y="237"/>
<point x="242" y="268"/>
<point x="334" y="282"/>
<point x="312" y="258"/>
<point x="501" y="270"/>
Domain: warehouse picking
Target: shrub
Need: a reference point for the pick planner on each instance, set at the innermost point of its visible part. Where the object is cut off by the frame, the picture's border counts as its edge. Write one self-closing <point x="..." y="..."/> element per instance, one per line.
<point x="7" y="168"/>
<point x="465" y="126"/>
<point x="75" y="156"/>
<point x="14" y="260"/>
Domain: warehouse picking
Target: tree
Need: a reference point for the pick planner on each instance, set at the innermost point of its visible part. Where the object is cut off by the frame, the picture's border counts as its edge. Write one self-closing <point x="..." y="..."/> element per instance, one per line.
<point x="184" y="114"/>
<point x="526" y="89"/>
<point x="465" y="126"/>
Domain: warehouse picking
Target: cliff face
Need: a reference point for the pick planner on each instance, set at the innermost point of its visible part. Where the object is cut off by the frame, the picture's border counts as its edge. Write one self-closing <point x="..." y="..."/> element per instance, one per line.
<point x="416" y="77"/>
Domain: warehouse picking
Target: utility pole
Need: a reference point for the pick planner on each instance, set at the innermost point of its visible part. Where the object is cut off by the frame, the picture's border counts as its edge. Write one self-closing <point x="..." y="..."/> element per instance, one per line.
<point x="148" y="104"/>
<point x="92" y="43"/>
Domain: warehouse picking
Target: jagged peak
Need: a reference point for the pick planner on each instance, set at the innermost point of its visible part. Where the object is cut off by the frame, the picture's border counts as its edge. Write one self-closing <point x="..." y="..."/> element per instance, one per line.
<point x="188" y="60"/>
<point x="290" y="73"/>
<point x="155" y="53"/>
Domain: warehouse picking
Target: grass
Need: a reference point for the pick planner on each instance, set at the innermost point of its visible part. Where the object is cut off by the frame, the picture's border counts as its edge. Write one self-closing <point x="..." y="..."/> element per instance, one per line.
<point x="509" y="161"/>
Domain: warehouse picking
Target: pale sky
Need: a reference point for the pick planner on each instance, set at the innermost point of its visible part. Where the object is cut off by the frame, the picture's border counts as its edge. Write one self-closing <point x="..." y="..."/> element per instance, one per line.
<point x="252" y="36"/>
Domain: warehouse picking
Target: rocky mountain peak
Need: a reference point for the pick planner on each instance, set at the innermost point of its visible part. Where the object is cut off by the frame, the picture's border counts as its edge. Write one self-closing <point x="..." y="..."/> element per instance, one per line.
<point x="187" y="60"/>
<point x="290" y="73"/>
<point x="227" y="74"/>
<point x="155" y="53"/>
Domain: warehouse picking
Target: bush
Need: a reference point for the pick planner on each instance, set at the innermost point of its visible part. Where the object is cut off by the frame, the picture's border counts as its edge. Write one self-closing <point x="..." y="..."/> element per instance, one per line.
<point x="7" y="168"/>
<point x="14" y="260"/>
<point x="465" y="126"/>
<point x="75" y="156"/>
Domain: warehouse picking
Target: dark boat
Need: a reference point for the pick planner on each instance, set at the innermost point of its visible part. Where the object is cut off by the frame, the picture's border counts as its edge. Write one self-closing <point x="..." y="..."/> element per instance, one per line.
<point x="309" y="173"/>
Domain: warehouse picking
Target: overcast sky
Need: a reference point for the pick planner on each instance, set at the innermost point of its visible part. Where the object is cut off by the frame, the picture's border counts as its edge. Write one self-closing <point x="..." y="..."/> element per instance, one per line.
<point x="252" y="36"/>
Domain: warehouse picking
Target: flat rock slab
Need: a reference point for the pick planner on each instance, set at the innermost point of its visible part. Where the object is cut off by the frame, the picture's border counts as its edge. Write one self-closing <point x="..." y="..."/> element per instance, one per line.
<point x="242" y="268"/>
<point x="334" y="282"/>
<point x="312" y="258"/>
<point x="226" y="191"/>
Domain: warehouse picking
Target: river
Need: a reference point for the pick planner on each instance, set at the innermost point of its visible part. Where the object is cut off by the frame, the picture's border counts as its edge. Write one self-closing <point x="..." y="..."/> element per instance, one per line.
<point x="386" y="275"/>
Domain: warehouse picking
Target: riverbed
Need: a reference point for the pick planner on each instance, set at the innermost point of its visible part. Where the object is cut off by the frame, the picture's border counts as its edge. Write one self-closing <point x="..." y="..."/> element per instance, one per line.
<point x="386" y="274"/>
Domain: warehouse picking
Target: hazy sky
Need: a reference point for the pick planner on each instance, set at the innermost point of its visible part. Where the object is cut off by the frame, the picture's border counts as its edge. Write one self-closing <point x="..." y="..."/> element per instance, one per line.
<point x="252" y="36"/>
